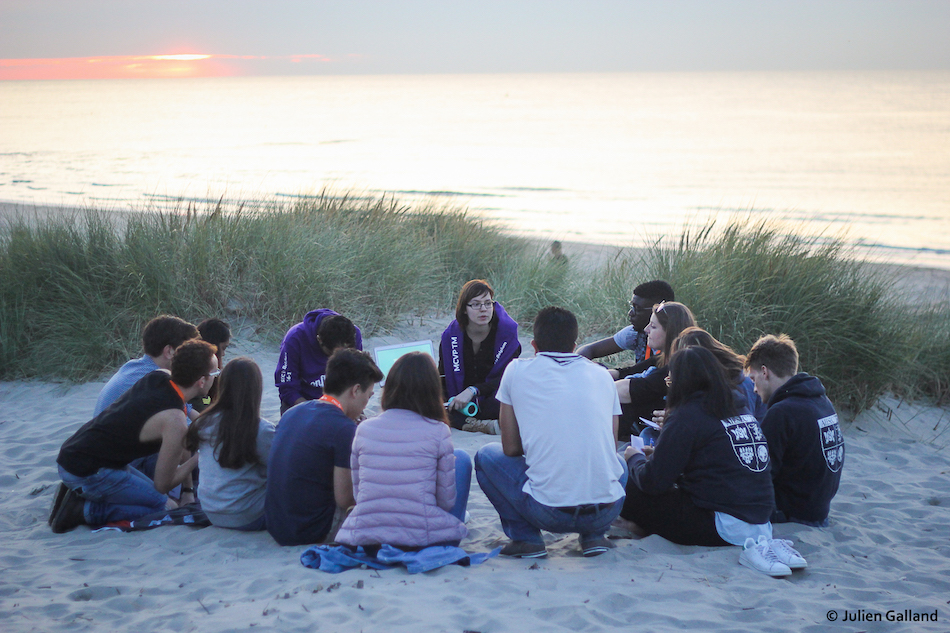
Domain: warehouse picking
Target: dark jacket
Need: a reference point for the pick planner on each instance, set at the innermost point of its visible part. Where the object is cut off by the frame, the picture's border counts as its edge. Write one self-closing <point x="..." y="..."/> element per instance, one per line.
<point x="722" y="464"/>
<point x="806" y="446"/>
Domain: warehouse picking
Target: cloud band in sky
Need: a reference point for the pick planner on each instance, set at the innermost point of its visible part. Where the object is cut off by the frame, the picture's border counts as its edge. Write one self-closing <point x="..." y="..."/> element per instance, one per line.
<point x="150" y="66"/>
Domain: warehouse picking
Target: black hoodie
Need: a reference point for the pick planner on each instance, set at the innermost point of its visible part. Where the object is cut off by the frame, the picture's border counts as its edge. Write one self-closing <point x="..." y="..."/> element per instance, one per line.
<point x="806" y="447"/>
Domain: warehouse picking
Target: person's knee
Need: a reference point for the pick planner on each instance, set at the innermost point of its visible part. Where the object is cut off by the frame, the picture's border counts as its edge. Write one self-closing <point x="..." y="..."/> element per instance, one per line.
<point x="463" y="461"/>
<point x="487" y="456"/>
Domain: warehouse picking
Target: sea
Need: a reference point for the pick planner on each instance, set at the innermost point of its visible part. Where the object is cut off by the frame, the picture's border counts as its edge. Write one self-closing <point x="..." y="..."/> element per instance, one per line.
<point x="619" y="158"/>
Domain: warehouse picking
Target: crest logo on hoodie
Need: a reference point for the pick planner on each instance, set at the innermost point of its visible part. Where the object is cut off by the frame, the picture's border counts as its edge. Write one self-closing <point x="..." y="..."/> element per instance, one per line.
<point x="748" y="442"/>
<point x="832" y="442"/>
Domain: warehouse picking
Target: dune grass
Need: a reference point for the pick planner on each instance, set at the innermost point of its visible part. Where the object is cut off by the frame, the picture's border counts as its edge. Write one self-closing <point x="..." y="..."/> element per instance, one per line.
<point x="76" y="290"/>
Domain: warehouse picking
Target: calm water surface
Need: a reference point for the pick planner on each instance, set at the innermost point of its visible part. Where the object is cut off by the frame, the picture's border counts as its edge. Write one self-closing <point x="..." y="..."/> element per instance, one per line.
<point x="612" y="158"/>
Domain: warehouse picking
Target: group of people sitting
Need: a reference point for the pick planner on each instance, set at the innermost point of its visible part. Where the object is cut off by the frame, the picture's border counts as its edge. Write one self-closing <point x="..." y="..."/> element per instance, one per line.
<point x="715" y="446"/>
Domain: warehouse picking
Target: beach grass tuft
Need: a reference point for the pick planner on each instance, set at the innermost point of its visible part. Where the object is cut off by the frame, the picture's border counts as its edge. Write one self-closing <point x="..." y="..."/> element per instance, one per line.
<point x="76" y="289"/>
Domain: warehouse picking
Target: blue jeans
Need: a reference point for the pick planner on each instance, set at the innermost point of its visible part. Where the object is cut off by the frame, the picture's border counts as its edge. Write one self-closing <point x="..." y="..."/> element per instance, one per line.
<point x="522" y="517"/>
<point x="463" y="483"/>
<point x="115" y="495"/>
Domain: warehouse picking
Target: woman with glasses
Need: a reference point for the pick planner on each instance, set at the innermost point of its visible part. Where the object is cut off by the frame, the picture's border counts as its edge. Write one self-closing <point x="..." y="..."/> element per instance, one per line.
<point x="234" y="442"/>
<point x="476" y="347"/>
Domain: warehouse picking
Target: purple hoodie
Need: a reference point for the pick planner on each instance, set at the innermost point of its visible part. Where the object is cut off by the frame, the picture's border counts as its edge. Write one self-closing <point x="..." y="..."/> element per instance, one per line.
<point x="302" y="365"/>
<point x="506" y="344"/>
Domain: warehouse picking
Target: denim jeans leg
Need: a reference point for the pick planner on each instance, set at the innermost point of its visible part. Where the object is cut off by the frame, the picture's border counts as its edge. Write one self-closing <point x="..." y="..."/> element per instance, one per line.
<point x="463" y="483"/>
<point x="502" y="478"/>
<point x="115" y="495"/>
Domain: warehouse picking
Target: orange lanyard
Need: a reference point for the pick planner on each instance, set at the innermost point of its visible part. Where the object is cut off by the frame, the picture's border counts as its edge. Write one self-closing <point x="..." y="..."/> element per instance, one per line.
<point x="180" y="395"/>
<point x="331" y="400"/>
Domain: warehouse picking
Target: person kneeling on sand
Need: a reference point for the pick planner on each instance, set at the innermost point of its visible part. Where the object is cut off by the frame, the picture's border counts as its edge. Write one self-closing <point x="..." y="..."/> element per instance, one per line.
<point x="99" y="486"/>
<point x="411" y="485"/>
<point x="707" y="482"/>
<point x="801" y="426"/>
<point x="302" y="364"/>
<point x="556" y="468"/>
<point x="235" y="444"/>
<point x="309" y="484"/>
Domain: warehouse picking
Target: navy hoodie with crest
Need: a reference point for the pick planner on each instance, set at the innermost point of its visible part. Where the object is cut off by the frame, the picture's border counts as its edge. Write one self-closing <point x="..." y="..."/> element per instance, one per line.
<point x="807" y="449"/>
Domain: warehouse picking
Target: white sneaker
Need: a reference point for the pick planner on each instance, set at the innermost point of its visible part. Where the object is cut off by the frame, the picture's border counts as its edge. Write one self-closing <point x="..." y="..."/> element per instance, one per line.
<point x="760" y="557"/>
<point x="786" y="553"/>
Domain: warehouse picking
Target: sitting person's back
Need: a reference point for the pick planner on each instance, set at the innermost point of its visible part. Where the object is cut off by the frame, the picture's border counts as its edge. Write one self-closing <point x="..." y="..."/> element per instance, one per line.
<point x="234" y="445"/>
<point x="801" y="426"/>
<point x="309" y="484"/>
<point x="404" y="466"/>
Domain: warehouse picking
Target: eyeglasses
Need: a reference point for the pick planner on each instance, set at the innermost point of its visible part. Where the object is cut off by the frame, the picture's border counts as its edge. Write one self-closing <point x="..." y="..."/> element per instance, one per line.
<point x="638" y="308"/>
<point x="480" y="305"/>
<point x="659" y="307"/>
<point x="215" y="373"/>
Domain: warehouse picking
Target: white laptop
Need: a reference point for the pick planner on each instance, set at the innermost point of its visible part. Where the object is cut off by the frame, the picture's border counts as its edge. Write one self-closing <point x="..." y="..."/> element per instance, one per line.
<point x="387" y="355"/>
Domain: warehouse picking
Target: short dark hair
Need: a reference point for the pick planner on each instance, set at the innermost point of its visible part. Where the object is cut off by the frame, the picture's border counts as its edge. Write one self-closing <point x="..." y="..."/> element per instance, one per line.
<point x="348" y="367"/>
<point x="166" y="330"/>
<point x="191" y="361"/>
<point x="471" y="289"/>
<point x="336" y="331"/>
<point x="555" y="330"/>
<point x="215" y="331"/>
<point x="694" y="370"/>
<point x="413" y="383"/>
<point x="658" y="290"/>
<point x="778" y="353"/>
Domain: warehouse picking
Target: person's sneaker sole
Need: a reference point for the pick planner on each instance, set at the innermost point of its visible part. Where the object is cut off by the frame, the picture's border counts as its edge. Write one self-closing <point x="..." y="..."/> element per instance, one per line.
<point x="596" y="547"/>
<point x="520" y="549"/>
<point x="57" y="502"/>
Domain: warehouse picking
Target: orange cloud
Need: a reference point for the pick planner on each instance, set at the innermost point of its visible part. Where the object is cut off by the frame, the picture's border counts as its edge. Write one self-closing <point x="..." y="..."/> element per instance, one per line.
<point x="137" y="66"/>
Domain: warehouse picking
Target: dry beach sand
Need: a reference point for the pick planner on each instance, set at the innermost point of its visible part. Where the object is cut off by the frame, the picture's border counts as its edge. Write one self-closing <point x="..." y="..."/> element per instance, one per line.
<point x="888" y="547"/>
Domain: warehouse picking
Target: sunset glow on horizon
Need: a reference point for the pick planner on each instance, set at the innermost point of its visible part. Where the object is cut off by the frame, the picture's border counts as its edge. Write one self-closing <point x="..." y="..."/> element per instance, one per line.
<point x="140" y="66"/>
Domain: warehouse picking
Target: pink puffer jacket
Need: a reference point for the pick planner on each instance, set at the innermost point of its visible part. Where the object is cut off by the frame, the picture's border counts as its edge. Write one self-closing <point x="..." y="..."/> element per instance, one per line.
<point x="403" y="470"/>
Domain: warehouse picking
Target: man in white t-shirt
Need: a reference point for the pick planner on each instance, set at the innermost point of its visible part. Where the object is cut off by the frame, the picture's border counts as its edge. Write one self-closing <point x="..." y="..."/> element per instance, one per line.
<point x="556" y="468"/>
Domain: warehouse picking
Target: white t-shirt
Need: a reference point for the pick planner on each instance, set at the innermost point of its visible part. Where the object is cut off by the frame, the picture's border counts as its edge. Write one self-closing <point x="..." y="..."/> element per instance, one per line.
<point x="565" y="405"/>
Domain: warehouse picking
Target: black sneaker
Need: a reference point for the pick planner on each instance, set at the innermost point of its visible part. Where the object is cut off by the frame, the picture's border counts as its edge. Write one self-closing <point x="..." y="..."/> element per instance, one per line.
<point x="523" y="549"/>
<point x="57" y="502"/>
<point x="70" y="514"/>
<point x="596" y="547"/>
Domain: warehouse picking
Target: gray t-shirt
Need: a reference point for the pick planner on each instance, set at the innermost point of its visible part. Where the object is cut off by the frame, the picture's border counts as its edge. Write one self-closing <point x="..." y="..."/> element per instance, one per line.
<point x="233" y="497"/>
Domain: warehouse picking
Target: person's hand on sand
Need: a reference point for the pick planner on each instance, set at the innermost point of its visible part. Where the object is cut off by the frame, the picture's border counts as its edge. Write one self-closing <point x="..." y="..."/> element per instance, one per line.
<point x="623" y="390"/>
<point x="659" y="417"/>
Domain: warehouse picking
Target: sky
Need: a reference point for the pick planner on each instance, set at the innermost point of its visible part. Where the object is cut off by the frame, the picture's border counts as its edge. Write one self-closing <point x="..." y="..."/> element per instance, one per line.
<point x="63" y="39"/>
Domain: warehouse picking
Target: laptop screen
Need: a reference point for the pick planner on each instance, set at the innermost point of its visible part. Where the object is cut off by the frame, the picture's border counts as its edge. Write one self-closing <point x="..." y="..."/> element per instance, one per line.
<point x="387" y="355"/>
